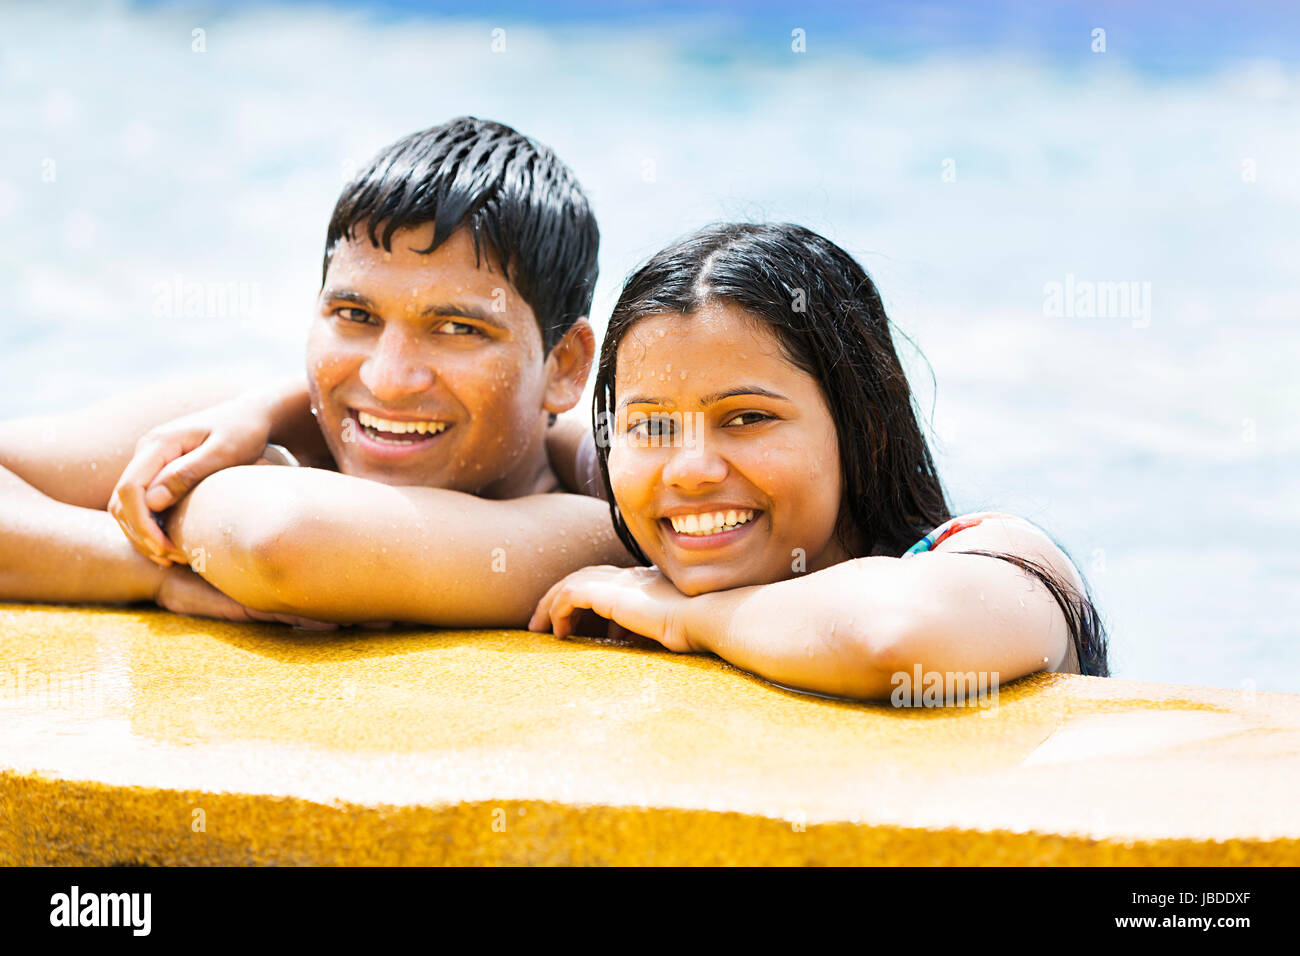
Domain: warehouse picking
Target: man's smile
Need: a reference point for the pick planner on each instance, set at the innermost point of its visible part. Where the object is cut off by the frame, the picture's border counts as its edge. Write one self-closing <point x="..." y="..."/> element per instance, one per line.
<point x="390" y="437"/>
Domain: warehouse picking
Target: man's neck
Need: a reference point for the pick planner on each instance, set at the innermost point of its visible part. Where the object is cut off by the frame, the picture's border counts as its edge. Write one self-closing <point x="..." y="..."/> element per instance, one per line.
<point x="532" y="476"/>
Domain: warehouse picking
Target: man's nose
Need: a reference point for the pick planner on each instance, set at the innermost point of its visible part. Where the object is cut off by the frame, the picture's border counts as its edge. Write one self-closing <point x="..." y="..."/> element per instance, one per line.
<point x="395" y="369"/>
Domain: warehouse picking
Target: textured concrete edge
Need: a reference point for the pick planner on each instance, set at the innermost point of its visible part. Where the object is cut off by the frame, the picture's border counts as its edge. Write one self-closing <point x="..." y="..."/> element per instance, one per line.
<point x="54" y="822"/>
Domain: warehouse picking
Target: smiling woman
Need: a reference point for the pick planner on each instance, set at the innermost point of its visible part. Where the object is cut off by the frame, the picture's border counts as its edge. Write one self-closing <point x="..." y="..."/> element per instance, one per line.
<point x="775" y="522"/>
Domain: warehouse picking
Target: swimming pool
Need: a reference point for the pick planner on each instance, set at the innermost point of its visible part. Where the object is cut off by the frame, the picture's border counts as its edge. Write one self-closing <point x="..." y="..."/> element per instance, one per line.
<point x="166" y="206"/>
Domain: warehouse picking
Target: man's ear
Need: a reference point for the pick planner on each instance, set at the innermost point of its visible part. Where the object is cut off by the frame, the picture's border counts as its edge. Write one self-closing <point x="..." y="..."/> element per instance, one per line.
<point x="568" y="366"/>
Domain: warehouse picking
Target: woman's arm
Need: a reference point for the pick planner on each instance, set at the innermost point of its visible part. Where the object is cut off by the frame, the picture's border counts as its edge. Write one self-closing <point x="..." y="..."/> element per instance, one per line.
<point x="859" y="629"/>
<point x="332" y="547"/>
<point x="855" y="629"/>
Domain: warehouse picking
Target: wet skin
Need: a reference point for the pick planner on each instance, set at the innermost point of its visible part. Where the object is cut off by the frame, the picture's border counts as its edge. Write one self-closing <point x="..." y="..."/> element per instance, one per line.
<point x="437" y="337"/>
<point x="762" y="436"/>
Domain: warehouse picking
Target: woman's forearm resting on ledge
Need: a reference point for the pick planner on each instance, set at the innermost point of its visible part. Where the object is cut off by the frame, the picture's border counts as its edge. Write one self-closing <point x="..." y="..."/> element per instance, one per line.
<point x="852" y="629"/>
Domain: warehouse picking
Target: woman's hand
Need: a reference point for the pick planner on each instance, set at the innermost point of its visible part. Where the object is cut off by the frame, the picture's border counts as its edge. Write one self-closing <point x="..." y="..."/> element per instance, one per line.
<point x="640" y="600"/>
<point x="184" y="592"/>
<point x="171" y="459"/>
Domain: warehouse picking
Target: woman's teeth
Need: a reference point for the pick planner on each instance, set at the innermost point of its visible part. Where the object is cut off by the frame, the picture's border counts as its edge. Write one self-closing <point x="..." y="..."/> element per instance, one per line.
<point x="378" y="428"/>
<point x="710" y="522"/>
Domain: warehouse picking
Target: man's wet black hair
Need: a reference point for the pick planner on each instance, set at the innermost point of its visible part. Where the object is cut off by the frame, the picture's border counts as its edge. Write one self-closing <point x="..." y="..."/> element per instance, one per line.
<point x="519" y="201"/>
<point x="829" y="321"/>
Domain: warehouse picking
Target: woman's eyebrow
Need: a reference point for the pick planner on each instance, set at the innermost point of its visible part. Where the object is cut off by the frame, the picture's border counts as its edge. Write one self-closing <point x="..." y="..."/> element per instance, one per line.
<point x="710" y="398"/>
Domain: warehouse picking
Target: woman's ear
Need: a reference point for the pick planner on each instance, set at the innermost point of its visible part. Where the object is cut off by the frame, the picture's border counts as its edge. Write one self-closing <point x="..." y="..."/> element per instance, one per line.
<point x="568" y="366"/>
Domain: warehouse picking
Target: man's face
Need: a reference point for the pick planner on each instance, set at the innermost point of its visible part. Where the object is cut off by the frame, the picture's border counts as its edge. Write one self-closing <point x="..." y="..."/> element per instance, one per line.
<point x="426" y="369"/>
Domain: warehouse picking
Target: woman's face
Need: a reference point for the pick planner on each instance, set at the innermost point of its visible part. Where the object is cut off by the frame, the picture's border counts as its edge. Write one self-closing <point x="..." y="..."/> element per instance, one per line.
<point x="713" y="425"/>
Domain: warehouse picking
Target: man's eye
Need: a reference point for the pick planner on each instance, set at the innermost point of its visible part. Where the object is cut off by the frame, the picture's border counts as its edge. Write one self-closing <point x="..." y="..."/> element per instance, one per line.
<point x="354" y="315"/>
<point x="458" y="328"/>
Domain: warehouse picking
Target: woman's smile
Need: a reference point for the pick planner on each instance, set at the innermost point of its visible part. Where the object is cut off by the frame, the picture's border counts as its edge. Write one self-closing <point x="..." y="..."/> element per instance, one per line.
<point x="727" y="474"/>
<point x="709" y="530"/>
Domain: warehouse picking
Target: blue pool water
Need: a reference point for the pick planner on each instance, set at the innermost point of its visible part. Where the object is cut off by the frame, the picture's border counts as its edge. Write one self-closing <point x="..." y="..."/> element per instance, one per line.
<point x="979" y="167"/>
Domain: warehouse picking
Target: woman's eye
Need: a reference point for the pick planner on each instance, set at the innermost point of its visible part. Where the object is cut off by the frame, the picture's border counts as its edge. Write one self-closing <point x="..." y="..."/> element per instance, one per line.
<point x="661" y="427"/>
<point x="757" y="416"/>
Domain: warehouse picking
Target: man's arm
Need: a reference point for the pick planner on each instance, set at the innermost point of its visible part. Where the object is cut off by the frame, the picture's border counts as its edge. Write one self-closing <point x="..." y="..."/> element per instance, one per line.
<point x="337" y="548"/>
<point x="571" y="448"/>
<point x="57" y="543"/>
<point x="60" y="553"/>
<point x="563" y="440"/>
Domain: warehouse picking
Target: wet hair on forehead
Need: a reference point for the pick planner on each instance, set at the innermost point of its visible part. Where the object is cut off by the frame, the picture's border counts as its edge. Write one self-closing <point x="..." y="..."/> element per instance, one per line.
<point x="524" y="209"/>
<point x="827" y="318"/>
<point x="830" y="322"/>
<point x="758" y="333"/>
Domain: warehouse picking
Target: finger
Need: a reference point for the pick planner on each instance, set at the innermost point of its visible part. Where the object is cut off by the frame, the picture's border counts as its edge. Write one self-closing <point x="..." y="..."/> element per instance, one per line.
<point x="179" y="476"/>
<point x="128" y="504"/>
<point x="541" y="614"/>
<point x="569" y="600"/>
<point x="307" y="623"/>
<point x="140" y="545"/>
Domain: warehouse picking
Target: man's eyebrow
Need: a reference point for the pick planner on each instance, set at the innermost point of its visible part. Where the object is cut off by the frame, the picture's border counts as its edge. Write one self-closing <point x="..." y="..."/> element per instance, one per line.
<point x="440" y="308"/>
<point x="466" y="311"/>
<point x="708" y="399"/>
<point x="347" y="295"/>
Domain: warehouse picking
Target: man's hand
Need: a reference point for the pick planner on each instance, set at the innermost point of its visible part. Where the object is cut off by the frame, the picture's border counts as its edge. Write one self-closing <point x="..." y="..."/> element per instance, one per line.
<point x="172" y="458"/>
<point x="184" y="592"/>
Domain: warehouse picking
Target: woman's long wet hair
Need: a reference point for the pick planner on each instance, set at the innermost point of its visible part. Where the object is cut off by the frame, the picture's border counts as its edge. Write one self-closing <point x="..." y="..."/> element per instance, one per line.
<point x="829" y="321"/>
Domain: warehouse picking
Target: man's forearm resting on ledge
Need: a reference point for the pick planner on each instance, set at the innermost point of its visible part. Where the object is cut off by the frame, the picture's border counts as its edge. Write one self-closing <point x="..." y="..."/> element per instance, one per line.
<point x="333" y="547"/>
<point x="60" y="553"/>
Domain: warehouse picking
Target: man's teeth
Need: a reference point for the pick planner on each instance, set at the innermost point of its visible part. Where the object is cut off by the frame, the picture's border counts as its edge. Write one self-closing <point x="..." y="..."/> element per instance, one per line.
<point x="710" y="522"/>
<point x="399" y="428"/>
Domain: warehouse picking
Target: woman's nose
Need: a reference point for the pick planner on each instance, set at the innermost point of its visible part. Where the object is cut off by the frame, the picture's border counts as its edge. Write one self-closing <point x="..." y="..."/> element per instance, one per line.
<point x="694" y="463"/>
<point x="395" y="368"/>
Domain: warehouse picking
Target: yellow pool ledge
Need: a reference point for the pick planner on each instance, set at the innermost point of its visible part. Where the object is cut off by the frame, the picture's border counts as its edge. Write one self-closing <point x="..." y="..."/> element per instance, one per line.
<point x="142" y="737"/>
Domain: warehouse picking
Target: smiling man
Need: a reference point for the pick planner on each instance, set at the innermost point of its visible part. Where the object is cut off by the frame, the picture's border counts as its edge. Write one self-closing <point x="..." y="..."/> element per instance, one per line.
<point x="452" y="329"/>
